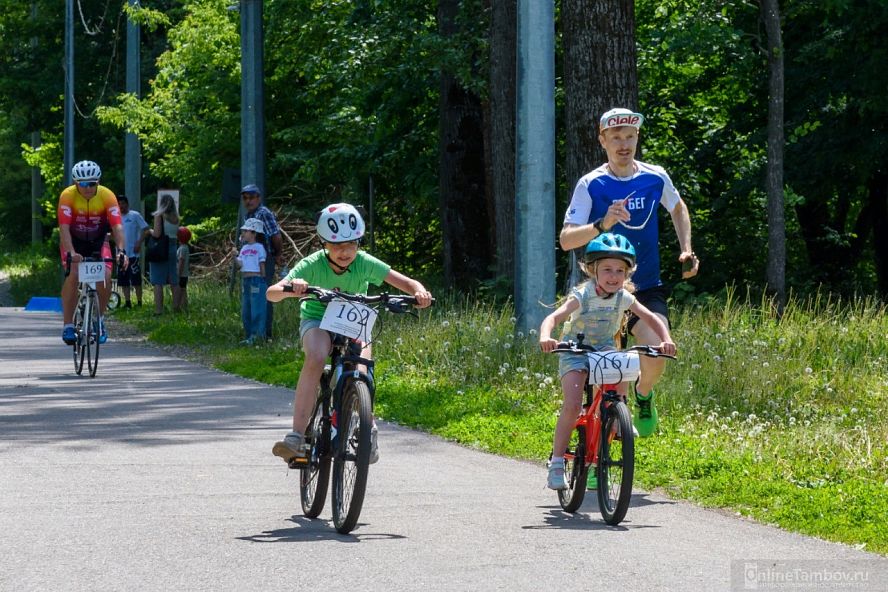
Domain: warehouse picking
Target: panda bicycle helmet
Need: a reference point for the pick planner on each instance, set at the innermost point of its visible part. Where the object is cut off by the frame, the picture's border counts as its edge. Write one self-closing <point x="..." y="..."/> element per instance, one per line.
<point x="610" y="245"/>
<point x="340" y="223"/>
<point x="86" y="170"/>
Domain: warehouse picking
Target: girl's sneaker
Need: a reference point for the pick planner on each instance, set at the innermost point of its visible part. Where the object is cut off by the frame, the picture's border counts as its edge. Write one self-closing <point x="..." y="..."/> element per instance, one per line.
<point x="591" y="479"/>
<point x="557" y="478"/>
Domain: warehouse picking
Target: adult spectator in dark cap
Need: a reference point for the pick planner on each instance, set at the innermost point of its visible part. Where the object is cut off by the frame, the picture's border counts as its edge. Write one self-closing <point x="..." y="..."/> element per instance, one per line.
<point x="274" y="246"/>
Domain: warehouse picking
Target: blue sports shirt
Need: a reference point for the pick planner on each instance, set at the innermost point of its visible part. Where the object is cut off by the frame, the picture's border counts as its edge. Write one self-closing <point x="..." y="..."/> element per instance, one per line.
<point x="645" y="189"/>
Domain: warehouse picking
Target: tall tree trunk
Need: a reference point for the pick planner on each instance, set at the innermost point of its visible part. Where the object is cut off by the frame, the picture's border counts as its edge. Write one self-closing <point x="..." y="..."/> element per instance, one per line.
<point x="461" y="180"/>
<point x="599" y="73"/>
<point x="776" y="273"/>
<point x="501" y="132"/>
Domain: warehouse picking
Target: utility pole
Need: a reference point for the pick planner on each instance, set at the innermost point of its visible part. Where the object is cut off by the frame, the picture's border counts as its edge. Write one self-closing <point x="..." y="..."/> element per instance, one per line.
<point x="36" y="181"/>
<point x="69" y="90"/>
<point x="132" y="146"/>
<point x="252" y="98"/>
<point x="535" y="163"/>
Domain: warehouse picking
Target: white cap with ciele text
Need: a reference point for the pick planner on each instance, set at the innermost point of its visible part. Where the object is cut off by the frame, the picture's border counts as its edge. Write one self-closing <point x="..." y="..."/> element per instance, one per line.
<point x="620" y="117"/>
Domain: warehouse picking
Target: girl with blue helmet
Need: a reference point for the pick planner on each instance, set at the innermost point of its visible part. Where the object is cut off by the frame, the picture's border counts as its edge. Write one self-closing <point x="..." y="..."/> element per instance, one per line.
<point x="597" y="309"/>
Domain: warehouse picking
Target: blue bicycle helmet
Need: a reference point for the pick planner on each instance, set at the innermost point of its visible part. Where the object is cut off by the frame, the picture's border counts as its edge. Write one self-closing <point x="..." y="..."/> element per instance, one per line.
<point x="608" y="245"/>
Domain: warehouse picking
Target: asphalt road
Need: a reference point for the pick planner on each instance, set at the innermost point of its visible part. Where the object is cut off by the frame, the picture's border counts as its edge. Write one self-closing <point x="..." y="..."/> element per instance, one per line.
<point x="157" y="475"/>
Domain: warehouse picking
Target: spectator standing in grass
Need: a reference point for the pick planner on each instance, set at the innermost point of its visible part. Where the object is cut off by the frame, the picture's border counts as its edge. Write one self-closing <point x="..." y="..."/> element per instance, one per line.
<point x="135" y="230"/>
<point x="251" y="259"/>
<point x="183" y="265"/>
<point x="166" y="222"/>
<point x="272" y="241"/>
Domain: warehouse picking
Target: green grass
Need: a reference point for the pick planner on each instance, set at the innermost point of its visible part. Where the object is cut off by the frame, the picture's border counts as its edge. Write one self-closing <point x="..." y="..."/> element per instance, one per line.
<point x="34" y="272"/>
<point x="779" y="420"/>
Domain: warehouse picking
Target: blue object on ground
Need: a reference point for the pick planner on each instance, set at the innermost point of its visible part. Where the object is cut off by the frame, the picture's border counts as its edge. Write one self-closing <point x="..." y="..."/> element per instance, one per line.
<point x="44" y="304"/>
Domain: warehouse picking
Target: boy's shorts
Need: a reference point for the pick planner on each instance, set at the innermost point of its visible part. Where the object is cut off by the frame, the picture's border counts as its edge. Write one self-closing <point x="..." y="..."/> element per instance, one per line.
<point x="132" y="275"/>
<point x="305" y="325"/>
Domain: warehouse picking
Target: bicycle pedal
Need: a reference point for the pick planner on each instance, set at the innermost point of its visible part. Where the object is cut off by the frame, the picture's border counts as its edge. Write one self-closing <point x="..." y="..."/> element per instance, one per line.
<point x="297" y="462"/>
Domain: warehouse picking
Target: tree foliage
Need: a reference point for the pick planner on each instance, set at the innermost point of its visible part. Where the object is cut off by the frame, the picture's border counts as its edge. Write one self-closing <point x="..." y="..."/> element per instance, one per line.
<point x="352" y="95"/>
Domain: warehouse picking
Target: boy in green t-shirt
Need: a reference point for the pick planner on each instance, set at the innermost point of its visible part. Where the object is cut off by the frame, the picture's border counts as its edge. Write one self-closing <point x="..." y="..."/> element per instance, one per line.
<point x="339" y="265"/>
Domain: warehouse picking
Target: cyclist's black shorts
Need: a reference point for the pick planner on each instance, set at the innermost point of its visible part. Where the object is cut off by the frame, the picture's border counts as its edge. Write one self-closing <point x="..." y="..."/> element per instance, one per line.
<point x="655" y="300"/>
<point x="98" y="248"/>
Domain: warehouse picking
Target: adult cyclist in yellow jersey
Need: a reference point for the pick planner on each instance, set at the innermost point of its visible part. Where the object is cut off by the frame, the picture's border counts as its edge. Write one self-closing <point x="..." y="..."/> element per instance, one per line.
<point x="87" y="212"/>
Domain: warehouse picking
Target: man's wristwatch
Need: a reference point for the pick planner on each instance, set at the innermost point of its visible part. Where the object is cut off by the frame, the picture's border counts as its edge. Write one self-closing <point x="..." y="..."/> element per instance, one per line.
<point x="598" y="226"/>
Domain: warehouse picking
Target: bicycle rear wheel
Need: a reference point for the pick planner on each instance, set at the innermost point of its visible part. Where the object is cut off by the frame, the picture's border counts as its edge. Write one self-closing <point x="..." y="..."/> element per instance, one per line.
<point x="315" y="476"/>
<point x="93" y="329"/>
<point x="352" y="460"/>
<point x="616" y="464"/>
<point x="575" y="470"/>
<point x="80" y="343"/>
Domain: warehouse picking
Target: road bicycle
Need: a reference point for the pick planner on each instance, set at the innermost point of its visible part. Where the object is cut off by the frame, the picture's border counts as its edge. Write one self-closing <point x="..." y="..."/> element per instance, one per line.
<point x="602" y="437"/>
<point x="338" y="433"/>
<point x="87" y="318"/>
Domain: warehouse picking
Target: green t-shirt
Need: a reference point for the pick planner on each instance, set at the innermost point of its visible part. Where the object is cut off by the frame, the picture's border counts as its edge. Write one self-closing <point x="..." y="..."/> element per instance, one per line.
<point x="314" y="269"/>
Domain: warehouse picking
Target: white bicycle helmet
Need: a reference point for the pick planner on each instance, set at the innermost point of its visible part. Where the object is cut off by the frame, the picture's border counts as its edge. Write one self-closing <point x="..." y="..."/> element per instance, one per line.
<point x="340" y="223"/>
<point x="86" y="170"/>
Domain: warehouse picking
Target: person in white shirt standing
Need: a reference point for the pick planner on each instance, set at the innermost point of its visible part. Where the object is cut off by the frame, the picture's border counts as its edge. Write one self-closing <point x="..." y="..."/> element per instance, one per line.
<point x="251" y="261"/>
<point x="135" y="230"/>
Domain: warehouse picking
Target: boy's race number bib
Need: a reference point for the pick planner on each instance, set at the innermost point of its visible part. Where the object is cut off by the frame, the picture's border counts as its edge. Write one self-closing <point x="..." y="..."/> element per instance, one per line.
<point x="351" y="319"/>
<point x="91" y="272"/>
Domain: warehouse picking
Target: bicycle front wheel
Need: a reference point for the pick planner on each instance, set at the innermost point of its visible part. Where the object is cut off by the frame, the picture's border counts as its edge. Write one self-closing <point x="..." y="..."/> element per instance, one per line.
<point x="113" y="300"/>
<point x="80" y="343"/>
<point x="352" y="460"/>
<point x="315" y="476"/>
<point x="93" y="329"/>
<point x="575" y="469"/>
<point x="616" y="464"/>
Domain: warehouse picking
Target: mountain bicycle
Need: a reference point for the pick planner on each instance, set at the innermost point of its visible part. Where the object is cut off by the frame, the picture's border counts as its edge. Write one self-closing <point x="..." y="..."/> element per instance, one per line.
<point x="87" y="320"/>
<point x="603" y="438"/>
<point x="338" y="432"/>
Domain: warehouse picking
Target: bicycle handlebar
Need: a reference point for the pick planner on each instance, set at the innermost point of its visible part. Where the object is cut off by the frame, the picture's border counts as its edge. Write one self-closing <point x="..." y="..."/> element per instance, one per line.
<point x="392" y="302"/>
<point x="574" y="347"/>
<point x="119" y="260"/>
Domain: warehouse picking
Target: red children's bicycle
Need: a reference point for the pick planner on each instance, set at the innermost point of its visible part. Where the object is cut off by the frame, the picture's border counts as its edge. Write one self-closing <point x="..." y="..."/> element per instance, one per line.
<point x="603" y="438"/>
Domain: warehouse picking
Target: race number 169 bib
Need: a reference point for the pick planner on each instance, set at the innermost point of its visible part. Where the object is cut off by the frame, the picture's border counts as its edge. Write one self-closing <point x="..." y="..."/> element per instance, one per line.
<point x="91" y="272"/>
<point x="350" y="319"/>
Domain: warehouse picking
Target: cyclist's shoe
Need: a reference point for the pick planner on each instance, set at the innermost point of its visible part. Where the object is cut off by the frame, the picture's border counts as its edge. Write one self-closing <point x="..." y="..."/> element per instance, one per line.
<point x="646" y="419"/>
<point x="103" y="332"/>
<point x="591" y="479"/>
<point x="69" y="336"/>
<point x="292" y="446"/>
<point x="374" y="445"/>
<point x="557" y="478"/>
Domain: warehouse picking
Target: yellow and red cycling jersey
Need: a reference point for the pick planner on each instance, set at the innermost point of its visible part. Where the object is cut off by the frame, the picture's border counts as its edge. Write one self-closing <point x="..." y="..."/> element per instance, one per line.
<point x="89" y="220"/>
